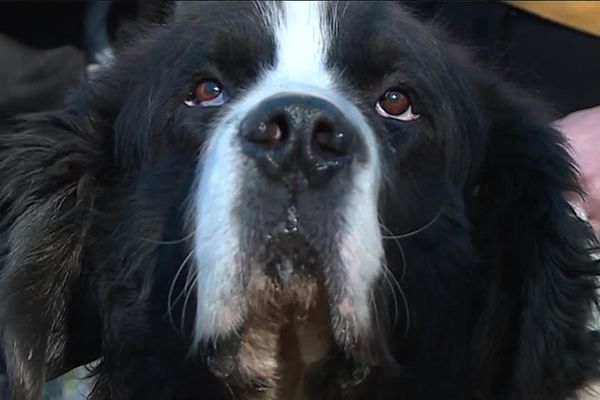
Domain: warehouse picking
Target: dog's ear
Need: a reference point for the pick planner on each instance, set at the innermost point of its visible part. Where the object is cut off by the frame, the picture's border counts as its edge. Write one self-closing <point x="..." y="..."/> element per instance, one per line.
<point x="543" y="276"/>
<point x="49" y="177"/>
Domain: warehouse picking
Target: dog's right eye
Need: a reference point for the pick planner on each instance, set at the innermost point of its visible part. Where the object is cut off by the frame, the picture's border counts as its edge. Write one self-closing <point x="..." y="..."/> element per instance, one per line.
<point x="208" y="93"/>
<point x="395" y="104"/>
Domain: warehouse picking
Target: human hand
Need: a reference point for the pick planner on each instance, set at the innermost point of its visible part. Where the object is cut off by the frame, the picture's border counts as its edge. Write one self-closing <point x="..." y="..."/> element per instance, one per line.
<point x="582" y="130"/>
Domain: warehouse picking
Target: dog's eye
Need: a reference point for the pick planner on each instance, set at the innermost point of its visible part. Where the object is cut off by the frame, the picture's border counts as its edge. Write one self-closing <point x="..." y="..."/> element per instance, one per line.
<point x="208" y="93"/>
<point x="395" y="104"/>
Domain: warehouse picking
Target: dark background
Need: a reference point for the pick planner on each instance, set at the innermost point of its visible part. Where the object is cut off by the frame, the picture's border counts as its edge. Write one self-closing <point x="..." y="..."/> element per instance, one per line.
<point x="560" y="64"/>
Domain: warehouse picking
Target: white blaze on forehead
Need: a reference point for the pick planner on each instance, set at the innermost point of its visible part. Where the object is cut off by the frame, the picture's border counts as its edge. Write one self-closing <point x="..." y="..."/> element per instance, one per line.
<point x="302" y="34"/>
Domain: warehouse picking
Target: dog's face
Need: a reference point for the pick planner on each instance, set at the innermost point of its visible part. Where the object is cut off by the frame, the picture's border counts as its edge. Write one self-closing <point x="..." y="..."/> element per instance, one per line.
<point x="290" y="174"/>
<point x="313" y="131"/>
<point x="290" y="178"/>
<point x="308" y="113"/>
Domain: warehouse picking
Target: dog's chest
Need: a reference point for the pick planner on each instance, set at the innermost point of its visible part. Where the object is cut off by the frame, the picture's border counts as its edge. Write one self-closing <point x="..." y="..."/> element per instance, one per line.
<point x="282" y="344"/>
<point x="283" y="361"/>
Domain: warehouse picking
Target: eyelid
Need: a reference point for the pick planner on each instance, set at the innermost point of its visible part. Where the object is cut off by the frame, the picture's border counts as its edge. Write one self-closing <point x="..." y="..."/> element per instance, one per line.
<point x="406" y="116"/>
<point x="221" y="99"/>
<point x="217" y="101"/>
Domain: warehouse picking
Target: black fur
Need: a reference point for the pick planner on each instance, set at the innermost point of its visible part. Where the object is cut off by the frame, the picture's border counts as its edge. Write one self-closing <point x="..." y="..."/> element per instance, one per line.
<point x="499" y="286"/>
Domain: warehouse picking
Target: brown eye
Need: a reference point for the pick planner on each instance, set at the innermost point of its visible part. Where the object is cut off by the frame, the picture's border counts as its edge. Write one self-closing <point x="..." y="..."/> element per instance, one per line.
<point x="395" y="104"/>
<point x="207" y="93"/>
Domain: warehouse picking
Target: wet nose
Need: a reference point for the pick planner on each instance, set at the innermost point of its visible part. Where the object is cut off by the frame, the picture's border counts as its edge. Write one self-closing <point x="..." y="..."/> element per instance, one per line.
<point x="286" y="134"/>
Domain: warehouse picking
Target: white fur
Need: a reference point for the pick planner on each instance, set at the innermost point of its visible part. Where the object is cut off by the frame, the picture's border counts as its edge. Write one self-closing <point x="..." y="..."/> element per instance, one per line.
<point x="216" y="235"/>
<point x="302" y="41"/>
<point x="302" y="38"/>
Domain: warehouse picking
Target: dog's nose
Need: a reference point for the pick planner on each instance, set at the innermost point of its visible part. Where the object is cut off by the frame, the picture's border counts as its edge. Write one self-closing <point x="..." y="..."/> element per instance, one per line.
<point x="288" y="133"/>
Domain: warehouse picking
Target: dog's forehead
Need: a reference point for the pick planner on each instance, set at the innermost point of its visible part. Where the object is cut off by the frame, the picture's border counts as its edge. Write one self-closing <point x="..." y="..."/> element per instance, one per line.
<point x="342" y="47"/>
<point x="299" y="31"/>
<point x="304" y="36"/>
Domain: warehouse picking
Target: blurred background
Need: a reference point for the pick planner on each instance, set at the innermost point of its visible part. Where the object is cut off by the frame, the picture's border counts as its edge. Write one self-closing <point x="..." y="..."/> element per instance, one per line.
<point x="550" y="47"/>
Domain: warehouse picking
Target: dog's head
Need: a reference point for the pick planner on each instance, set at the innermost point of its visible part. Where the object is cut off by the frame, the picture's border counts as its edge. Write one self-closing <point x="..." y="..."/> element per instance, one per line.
<point x="289" y="178"/>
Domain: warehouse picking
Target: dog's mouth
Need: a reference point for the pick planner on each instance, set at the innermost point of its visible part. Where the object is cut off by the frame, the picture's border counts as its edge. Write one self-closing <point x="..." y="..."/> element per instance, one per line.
<point x="287" y="336"/>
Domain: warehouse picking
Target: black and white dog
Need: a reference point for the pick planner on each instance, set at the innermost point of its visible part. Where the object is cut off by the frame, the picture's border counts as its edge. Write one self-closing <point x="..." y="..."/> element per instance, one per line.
<point x="295" y="200"/>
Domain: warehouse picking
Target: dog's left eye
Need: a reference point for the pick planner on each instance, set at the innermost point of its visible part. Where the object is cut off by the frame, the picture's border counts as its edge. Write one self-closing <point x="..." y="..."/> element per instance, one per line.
<point x="208" y="93"/>
<point x="395" y="104"/>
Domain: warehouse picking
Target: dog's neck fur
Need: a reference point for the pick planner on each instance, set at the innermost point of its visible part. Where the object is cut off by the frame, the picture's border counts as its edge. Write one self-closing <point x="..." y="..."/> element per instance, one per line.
<point x="286" y="333"/>
<point x="281" y="357"/>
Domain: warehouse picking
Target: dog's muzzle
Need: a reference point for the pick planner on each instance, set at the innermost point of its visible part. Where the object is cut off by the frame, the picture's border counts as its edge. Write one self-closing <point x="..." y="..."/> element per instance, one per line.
<point x="287" y="242"/>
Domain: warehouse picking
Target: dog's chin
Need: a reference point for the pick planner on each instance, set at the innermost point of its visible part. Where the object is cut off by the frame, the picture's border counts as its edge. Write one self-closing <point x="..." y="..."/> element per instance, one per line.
<point x="288" y="315"/>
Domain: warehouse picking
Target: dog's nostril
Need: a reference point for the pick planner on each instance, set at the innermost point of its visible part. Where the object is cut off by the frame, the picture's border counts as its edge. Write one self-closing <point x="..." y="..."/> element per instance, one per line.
<point x="271" y="132"/>
<point x="274" y="132"/>
<point x="328" y="141"/>
<point x="280" y="128"/>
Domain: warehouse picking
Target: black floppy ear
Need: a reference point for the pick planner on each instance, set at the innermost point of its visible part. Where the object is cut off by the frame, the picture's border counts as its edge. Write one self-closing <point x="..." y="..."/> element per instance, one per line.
<point x="49" y="165"/>
<point x="542" y="277"/>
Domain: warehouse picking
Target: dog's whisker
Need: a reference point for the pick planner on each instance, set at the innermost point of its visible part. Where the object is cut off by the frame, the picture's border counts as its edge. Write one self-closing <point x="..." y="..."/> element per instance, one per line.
<point x="395" y="285"/>
<point x="188" y="289"/>
<point x="386" y="278"/>
<point x="392" y="289"/>
<point x="175" y="241"/>
<point x="400" y="248"/>
<point x="183" y="263"/>
<point x="375" y="312"/>
<point x="387" y="273"/>
<point x="171" y="303"/>
<point x="418" y="230"/>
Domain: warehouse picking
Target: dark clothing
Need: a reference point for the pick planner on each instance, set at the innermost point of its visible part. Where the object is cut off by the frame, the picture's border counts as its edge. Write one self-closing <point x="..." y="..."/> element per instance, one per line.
<point x="560" y="64"/>
<point x="35" y="79"/>
<point x="44" y="46"/>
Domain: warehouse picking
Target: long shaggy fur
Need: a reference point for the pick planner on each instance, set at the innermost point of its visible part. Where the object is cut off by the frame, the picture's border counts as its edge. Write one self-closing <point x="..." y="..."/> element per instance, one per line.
<point x="496" y="275"/>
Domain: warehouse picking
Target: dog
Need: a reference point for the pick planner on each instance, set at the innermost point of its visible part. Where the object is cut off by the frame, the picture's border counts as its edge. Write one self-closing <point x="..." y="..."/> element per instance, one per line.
<point x="300" y="200"/>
